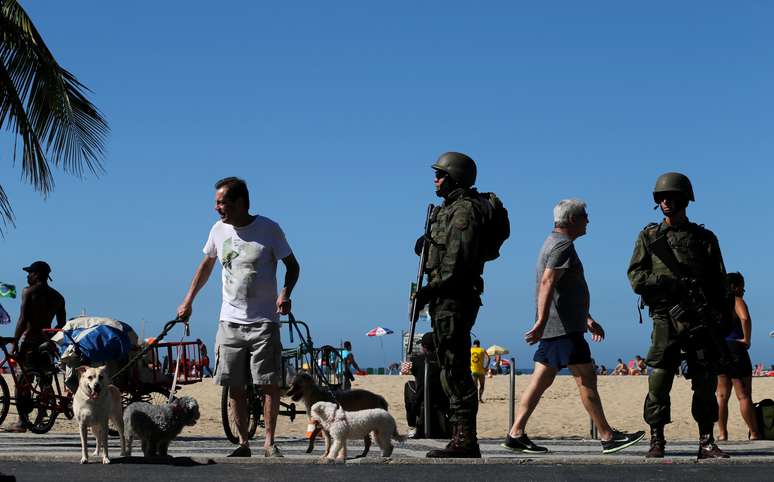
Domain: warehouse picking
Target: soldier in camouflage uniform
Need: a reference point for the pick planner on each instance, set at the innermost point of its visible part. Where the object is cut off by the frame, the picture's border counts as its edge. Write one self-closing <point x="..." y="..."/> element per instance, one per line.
<point x="696" y="249"/>
<point x="453" y="292"/>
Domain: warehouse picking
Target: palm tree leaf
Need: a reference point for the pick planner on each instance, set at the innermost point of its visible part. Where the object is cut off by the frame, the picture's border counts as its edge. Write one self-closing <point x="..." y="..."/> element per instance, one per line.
<point x="6" y="213"/>
<point x="45" y="106"/>
<point x="72" y="128"/>
<point x="34" y="165"/>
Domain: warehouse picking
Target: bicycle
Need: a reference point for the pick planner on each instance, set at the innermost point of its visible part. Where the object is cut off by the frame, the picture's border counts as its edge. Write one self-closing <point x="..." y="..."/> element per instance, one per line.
<point x="39" y="397"/>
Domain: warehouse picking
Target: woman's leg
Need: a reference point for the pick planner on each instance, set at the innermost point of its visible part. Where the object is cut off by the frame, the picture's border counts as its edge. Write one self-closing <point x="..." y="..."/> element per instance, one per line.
<point x="743" y="390"/>
<point x="723" y="392"/>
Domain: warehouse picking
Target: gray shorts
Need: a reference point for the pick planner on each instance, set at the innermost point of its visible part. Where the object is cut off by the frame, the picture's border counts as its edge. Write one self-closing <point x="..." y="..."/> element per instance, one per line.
<point x="245" y="353"/>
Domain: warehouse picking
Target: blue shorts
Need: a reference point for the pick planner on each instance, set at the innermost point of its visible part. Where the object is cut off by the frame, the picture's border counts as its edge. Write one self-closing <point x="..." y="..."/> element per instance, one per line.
<point x="561" y="351"/>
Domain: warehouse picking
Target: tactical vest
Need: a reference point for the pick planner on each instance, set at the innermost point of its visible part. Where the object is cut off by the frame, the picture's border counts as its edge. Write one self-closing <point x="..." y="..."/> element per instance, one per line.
<point x="691" y="245"/>
<point x="439" y="227"/>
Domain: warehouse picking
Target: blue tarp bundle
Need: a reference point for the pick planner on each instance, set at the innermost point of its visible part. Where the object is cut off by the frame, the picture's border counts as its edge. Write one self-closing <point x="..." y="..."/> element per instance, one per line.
<point x="99" y="339"/>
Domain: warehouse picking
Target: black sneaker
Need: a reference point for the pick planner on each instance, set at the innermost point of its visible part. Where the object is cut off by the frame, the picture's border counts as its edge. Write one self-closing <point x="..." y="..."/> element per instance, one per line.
<point x="522" y="444"/>
<point x="241" y="451"/>
<point x="620" y="441"/>
<point x="708" y="449"/>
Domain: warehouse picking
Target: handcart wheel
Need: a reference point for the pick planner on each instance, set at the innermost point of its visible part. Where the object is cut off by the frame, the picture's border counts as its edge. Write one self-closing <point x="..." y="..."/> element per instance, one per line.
<point x="5" y="399"/>
<point x="37" y="411"/>
<point x="255" y="411"/>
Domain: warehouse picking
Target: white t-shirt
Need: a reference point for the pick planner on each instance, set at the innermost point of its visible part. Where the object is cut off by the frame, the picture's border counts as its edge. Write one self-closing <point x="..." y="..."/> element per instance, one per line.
<point x="248" y="255"/>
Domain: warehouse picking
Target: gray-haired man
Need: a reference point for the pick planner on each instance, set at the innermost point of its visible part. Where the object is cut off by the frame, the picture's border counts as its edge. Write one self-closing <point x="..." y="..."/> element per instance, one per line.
<point x="562" y="319"/>
<point x="248" y="345"/>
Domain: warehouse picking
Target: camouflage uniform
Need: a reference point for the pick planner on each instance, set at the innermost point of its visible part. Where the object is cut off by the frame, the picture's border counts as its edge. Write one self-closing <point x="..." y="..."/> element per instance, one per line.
<point x="454" y="268"/>
<point x="697" y="250"/>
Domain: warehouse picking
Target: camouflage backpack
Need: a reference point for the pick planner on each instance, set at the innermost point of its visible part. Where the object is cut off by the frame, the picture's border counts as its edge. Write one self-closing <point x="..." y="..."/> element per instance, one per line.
<point x="496" y="226"/>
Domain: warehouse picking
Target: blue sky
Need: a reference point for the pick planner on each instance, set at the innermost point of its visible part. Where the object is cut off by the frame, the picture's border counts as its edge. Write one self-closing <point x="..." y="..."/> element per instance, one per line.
<point x="333" y="113"/>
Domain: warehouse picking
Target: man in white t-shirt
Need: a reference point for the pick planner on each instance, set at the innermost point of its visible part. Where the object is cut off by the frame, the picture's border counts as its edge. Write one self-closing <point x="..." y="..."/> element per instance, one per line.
<point x="248" y="346"/>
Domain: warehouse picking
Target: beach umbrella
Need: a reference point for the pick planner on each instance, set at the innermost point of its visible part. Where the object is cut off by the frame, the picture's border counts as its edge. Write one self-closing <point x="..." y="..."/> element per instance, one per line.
<point x="379" y="331"/>
<point x="496" y="350"/>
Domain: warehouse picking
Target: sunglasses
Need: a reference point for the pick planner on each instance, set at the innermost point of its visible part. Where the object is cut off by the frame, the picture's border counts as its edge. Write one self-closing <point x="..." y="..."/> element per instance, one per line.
<point x="661" y="197"/>
<point x="441" y="174"/>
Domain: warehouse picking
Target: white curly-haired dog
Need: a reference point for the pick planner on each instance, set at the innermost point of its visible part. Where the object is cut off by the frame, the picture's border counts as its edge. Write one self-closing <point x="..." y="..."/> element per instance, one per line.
<point x="339" y="425"/>
<point x="157" y="425"/>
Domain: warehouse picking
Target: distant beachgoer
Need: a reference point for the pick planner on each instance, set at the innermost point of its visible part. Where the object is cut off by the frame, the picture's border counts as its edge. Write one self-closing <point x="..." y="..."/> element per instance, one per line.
<point x="40" y="304"/>
<point x="638" y="367"/>
<point x="563" y="299"/>
<point x="602" y="370"/>
<point x="495" y="365"/>
<point x="739" y="371"/>
<point x="349" y="363"/>
<point x="206" y="371"/>
<point x="478" y="360"/>
<point x="621" y="368"/>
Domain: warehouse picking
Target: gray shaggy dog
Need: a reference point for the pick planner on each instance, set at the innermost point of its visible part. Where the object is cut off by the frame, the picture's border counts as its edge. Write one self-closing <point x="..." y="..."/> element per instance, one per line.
<point x="157" y="425"/>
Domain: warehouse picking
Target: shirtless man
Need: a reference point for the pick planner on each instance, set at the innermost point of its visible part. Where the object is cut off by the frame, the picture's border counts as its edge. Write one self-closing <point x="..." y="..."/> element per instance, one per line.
<point x="40" y="303"/>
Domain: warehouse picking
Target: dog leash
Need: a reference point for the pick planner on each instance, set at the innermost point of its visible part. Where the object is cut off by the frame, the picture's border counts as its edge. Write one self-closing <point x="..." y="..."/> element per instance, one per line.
<point x="181" y="348"/>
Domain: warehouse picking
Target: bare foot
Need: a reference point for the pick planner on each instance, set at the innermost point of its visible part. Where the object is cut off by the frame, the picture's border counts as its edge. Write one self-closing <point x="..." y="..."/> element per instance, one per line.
<point x="722" y="437"/>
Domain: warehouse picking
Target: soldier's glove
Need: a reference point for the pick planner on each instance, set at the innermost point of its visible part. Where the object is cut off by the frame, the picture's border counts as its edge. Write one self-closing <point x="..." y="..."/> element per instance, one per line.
<point x="420" y="244"/>
<point x="424" y="295"/>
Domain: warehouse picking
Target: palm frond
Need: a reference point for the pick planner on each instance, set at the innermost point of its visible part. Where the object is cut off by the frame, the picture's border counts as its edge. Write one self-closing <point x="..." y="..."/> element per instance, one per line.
<point x="13" y="116"/>
<point x="71" y="127"/>
<point x="45" y="106"/>
<point x="6" y="213"/>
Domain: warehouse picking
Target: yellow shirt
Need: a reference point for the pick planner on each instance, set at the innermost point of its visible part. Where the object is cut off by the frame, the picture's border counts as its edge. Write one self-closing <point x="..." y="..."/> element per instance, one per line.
<point x="477" y="359"/>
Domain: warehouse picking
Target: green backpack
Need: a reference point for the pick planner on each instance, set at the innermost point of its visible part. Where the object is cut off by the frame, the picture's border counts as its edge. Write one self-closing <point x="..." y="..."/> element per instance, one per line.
<point x="764" y="410"/>
<point x="496" y="226"/>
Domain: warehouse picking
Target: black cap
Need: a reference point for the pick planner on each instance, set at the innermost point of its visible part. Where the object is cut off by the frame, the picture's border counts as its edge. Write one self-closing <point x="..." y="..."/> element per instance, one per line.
<point x="40" y="267"/>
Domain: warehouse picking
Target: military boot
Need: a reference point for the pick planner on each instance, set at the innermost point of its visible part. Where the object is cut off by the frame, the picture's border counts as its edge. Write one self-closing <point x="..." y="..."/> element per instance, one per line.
<point x="708" y="449"/>
<point x="462" y="446"/>
<point x="657" y="443"/>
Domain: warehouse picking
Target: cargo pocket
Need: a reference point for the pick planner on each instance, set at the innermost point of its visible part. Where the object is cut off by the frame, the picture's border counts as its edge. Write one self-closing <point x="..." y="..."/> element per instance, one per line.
<point x="217" y="359"/>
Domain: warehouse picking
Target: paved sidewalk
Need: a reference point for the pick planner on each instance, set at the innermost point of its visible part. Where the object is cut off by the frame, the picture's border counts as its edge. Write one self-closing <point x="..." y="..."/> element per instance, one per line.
<point x="206" y="450"/>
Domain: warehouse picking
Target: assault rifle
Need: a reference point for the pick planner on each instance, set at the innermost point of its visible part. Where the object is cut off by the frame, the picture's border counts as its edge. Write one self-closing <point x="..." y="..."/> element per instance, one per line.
<point x="415" y="308"/>
<point x="693" y="311"/>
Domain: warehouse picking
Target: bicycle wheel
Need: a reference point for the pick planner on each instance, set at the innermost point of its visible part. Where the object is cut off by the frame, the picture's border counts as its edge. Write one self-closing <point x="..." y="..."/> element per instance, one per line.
<point x="5" y="399"/>
<point x="255" y="411"/>
<point x="39" y="412"/>
<point x="156" y="396"/>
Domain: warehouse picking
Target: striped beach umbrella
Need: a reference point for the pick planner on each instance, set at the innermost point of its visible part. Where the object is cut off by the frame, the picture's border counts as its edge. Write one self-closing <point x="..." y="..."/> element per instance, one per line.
<point x="379" y="331"/>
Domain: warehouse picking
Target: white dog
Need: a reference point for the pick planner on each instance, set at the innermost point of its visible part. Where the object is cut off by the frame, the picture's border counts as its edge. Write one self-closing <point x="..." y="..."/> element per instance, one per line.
<point x="95" y="402"/>
<point x="340" y="425"/>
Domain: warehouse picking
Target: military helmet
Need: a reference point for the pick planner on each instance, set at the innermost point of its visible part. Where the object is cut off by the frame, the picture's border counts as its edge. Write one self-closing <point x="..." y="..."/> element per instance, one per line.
<point x="673" y="182"/>
<point x="459" y="166"/>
